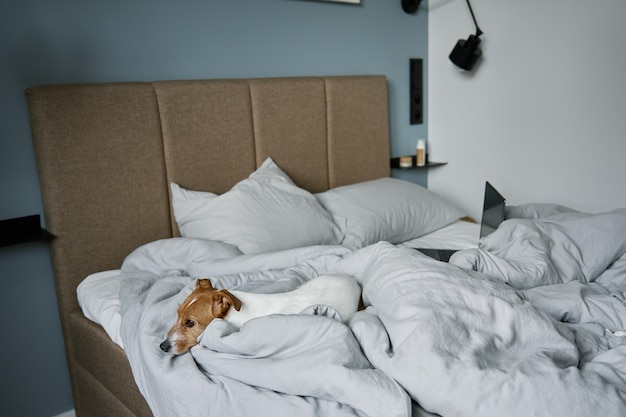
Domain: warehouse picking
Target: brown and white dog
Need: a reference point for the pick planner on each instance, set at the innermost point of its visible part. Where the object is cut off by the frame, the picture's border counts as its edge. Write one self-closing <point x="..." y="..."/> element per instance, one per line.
<point x="206" y="303"/>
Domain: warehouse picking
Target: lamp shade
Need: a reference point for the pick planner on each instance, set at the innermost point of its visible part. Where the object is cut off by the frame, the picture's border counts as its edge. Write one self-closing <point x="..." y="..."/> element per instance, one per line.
<point x="466" y="53"/>
<point x="410" y="6"/>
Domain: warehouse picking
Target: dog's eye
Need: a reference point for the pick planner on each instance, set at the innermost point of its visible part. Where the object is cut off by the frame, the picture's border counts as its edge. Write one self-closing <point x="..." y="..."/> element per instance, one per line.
<point x="190" y="323"/>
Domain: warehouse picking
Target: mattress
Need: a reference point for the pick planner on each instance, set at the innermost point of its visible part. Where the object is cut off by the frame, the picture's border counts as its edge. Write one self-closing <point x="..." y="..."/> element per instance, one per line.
<point x="98" y="297"/>
<point x="508" y="323"/>
<point x="98" y="294"/>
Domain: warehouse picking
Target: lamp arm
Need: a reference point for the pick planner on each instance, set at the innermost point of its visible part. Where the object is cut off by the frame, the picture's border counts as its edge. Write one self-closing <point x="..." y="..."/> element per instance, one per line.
<point x="478" y="31"/>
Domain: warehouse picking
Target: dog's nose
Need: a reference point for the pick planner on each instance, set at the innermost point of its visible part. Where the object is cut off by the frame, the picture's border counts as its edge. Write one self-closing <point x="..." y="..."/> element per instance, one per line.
<point x="165" y="346"/>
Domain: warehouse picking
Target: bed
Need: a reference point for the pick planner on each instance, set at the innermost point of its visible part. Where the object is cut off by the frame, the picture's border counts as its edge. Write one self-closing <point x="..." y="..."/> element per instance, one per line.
<point x="528" y="321"/>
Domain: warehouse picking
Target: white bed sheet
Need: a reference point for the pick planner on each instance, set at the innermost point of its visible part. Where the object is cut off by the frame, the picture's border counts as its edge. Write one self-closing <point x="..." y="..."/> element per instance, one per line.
<point x="99" y="298"/>
<point x="457" y="236"/>
<point x="98" y="294"/>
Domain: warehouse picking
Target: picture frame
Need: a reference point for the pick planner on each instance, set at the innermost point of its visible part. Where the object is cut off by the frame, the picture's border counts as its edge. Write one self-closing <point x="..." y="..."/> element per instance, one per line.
<point x="343" y="1"/>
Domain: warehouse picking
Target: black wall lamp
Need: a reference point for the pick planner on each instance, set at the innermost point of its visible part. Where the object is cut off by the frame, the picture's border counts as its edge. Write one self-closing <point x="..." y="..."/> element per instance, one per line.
<point x="410" y="6"/>
<point x="467" y="52"/>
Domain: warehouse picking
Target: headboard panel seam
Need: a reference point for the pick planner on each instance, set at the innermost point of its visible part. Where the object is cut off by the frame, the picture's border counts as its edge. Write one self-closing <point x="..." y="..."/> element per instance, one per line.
<point x="174" y="227"/>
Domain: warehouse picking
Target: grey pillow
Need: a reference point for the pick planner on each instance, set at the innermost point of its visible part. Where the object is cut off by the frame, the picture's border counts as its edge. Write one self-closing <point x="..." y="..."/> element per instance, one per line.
<point x="387" y="209"/>
<point x="265" y="212"/>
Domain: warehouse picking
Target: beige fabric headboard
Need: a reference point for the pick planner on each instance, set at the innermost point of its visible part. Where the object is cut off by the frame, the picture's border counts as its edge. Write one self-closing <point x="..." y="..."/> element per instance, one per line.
<point x="107" y="152"/>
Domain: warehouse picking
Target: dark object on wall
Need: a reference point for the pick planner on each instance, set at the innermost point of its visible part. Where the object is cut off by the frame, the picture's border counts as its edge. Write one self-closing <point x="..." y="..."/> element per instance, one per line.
<point x="467" y="52"/>
<point x="416" y="105"/>
<point x="22" y="230"/>
<point x="410" y="6"/>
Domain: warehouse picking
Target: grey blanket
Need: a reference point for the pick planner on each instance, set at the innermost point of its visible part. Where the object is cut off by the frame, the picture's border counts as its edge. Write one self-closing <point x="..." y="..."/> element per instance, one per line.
<point x="297" y="365"/>
<point x="505" y="330"/>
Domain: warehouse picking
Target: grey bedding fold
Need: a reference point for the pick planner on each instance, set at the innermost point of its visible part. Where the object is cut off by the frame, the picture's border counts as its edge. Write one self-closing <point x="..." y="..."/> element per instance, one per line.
<point x="530" y="324"/>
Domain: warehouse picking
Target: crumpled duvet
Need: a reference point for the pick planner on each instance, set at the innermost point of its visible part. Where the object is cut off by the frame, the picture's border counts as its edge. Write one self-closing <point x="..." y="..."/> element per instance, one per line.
<point x="492" y="334"/>
<point x="282" y="365"/>
<point x="564" y="247"/>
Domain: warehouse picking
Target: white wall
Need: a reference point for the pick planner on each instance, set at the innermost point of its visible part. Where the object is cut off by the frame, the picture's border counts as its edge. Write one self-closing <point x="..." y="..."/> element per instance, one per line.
<point x="543" y="116"/>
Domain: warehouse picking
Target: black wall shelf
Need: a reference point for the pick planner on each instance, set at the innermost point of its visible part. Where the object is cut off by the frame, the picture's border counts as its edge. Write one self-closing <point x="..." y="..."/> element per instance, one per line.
<point x="395" y="163"/>
<point x="22" y="230"/>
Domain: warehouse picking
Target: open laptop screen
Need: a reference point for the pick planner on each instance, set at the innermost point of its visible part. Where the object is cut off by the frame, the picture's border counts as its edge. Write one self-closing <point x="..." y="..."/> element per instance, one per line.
<point x="493" y="210"/>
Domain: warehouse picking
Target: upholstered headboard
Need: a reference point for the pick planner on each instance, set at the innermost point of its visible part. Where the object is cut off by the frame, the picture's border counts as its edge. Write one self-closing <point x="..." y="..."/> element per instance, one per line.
<point x="107" y="152"/>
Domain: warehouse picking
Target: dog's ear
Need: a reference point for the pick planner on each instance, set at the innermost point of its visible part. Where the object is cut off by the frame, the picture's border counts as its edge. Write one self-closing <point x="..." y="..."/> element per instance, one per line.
<point x="222" y="300"/>
<point x="204" y="283"/>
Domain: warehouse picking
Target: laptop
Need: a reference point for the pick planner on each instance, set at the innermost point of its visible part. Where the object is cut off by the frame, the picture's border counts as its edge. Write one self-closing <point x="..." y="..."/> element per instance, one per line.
<point x="493" y="214"/>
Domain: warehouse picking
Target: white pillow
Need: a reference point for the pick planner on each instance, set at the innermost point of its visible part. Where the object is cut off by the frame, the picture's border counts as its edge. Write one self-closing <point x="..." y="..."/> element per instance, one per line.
<point x="387" y="209"/>
<point x="264" y="213"/>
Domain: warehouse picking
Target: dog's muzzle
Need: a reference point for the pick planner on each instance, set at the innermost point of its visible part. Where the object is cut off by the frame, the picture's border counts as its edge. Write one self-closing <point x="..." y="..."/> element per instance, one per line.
<point x="166" y="346"/>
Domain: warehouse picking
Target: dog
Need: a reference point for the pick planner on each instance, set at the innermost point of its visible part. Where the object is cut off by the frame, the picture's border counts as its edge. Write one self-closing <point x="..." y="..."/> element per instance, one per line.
<point x="206" y="303"/>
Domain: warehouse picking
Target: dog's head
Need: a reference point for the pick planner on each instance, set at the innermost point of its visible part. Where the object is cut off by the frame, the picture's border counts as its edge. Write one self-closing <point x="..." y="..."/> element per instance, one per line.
<point x="203" y="305"/>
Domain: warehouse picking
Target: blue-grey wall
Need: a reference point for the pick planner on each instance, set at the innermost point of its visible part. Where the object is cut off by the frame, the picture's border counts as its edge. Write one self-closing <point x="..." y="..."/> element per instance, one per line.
<point x="66" y="41"/>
